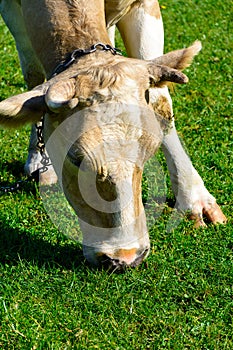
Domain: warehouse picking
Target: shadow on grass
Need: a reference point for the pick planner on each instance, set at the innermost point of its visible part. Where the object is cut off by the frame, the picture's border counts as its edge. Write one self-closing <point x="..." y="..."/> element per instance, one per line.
<point x="14" y="167"/>
<point x="16" y="246"/>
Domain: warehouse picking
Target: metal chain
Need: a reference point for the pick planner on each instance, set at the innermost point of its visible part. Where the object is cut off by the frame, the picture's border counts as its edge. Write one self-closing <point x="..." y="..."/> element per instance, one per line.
<point x="45" y="161"/>
<point x="81" y="52"/>
<point x="17" y="186"/>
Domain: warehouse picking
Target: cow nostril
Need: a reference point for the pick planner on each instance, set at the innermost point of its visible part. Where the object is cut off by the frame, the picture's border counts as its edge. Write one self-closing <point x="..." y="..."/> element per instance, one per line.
<point x="140" y="258"/>
<point x="110" y="263"/>
<point x="119" y="265"/>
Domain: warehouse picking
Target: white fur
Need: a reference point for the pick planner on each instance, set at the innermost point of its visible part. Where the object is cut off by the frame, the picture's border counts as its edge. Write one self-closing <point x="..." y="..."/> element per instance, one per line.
<point x="142" y="33"/>
<point x="187" y="184"/>
<point x="111" y="34"/>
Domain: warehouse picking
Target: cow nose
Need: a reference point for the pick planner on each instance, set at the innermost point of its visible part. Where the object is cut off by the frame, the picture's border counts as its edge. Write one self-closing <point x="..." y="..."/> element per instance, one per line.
<point x="122" y="259"/>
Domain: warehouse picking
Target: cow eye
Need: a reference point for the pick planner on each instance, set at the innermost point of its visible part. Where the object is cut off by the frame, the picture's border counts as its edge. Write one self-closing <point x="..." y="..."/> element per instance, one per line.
<point x="75" y="159"/>
<point x="147" y="96"/>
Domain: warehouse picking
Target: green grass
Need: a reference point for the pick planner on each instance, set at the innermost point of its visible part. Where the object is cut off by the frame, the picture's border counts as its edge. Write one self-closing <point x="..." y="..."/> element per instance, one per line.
<point x="181" y="297"/>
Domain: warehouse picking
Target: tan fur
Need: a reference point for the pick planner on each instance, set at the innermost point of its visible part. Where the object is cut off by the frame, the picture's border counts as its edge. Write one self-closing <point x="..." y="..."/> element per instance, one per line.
<point x="116" y="9"/>
<point x="18" y="108"/>
<point x="65" y="22"/>
<point x="137" y="180"/>
<point x="163" y="108"/>
<point x="180" y="59"/>
<point x="60" y="94"/>
<point x="151" y="7"/>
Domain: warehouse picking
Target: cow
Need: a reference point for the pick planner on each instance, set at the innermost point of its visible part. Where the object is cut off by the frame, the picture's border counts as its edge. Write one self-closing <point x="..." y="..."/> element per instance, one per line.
<point x="105" y="115"/>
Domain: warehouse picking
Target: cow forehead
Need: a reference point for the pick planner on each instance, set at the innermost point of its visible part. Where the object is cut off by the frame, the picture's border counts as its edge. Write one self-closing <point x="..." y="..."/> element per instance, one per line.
<point x="111" y="120"/>
<point x="116" y="141"/>
<point x="118" y="74"/>
<point x="106" y="133"/>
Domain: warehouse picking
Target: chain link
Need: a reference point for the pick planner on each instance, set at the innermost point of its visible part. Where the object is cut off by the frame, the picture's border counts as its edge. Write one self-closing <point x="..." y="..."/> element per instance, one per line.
<point x="45" y="161"/>
<point x="81" y="52"/>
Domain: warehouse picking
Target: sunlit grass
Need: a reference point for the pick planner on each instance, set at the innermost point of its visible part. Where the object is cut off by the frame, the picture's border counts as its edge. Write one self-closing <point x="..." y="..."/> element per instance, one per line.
<point x="181" y="297"/>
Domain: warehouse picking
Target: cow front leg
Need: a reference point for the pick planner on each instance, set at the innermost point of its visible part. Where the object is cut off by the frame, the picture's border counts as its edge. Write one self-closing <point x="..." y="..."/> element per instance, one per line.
<point x="111" y="34"/>
<point x="33" y="161"/>
<point x="33" y="75"/>
<point x="188" y="187"/>
<point x="12" y="15"/>
<point x="142" y="31"/>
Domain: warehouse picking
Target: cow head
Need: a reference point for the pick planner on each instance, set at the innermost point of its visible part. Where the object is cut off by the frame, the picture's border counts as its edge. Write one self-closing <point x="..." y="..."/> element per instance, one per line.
<point x="100" y="129"/>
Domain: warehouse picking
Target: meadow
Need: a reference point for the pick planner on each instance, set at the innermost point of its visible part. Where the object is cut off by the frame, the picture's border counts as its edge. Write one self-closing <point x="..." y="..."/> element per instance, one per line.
<point x="181" y="297"/>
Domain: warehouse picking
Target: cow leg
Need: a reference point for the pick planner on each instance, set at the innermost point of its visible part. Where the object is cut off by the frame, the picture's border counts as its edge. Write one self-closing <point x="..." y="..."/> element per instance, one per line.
<point x="33" y="75"/>
<point x="33" y="161"/>
<point x="142" y="32"/>
<point x="111" y="34"/>
<point x="12" y="15"/>
<point x="191" y="194"/>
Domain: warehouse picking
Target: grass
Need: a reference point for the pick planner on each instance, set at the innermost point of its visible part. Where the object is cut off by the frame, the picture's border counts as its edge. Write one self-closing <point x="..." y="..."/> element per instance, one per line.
<point x="181" y="297"/>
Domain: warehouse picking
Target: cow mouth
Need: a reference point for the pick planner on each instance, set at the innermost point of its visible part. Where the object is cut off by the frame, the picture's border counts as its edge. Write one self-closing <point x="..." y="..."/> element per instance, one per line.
<point x="115" y="265"/>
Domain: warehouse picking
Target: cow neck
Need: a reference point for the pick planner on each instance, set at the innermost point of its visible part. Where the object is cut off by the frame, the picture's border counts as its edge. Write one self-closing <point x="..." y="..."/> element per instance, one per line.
<point x="64" y="26"/>
<point x="78" y="53"/>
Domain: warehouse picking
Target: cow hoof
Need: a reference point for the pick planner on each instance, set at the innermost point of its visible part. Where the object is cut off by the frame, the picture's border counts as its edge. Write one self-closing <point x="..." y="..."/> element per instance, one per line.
<point x="33" y="163"/>
<point x="212" y="212"/>
<point x="48" y="177"/>
<point x="198" y="220"/>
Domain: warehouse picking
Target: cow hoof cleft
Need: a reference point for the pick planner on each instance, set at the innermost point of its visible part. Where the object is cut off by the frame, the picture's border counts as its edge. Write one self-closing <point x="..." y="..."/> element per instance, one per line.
<point x="213" y="214"/>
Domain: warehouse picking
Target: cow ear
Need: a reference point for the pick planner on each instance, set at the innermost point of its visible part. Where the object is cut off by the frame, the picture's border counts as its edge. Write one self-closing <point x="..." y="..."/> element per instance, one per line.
<point x="60" y="95"/>
<point x="179" y="59"/>
<point x="22" y="109"/>
<point x="161" y="75"/>
<point x="167" y="68"/>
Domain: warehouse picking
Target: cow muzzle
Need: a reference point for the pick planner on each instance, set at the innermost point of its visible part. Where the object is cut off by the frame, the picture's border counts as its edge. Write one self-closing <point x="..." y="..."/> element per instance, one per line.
<point x="119" y="260"/>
